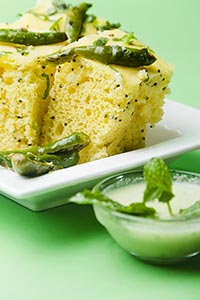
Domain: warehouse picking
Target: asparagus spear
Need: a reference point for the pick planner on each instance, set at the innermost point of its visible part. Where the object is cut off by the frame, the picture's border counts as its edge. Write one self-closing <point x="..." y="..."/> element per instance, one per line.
<point x="35" y="161"/>
<point x="25" y="37"/>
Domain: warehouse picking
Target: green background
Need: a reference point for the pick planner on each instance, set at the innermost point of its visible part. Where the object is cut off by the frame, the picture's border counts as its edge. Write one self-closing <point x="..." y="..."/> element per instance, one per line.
<point x="64" y="253"/>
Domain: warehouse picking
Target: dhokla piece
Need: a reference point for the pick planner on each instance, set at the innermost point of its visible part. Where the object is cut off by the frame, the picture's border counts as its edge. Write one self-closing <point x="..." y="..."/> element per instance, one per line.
<point x="24" y="82"/>
<point x="23" y="102"/>
<point x="24" y="94"/>
<point x="112" y="104"/>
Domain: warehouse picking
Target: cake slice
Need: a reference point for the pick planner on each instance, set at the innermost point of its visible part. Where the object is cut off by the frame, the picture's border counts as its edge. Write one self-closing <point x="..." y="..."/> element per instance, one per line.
<point x="24" y="86"/>
<point x="24" y="81"/>
<point x="45" y="96"/>
<point x="112" y="103"/>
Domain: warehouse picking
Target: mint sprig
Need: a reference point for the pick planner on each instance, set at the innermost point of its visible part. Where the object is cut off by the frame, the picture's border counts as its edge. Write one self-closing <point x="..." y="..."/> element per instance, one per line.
<point x="158" y="186"/>
<point x="158" y="182"/>
<point x="90" y="197"/>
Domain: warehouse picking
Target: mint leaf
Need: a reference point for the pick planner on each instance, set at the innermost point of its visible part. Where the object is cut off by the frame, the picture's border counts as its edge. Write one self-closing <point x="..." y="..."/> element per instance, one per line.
<point x="158" y="181"/>
<point x="137" y="209"/>
<point x="89" y="197"/>
<point x="191" y="212"/>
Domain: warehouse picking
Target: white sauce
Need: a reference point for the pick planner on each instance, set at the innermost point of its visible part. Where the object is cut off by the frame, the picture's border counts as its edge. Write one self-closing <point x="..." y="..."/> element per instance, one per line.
<point x="154" y="240"/>
<point x="186" y="194"/>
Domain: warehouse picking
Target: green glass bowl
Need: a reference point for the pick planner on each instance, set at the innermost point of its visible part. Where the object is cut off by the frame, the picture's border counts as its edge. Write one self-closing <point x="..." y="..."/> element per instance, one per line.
<point x="155" y="241"/>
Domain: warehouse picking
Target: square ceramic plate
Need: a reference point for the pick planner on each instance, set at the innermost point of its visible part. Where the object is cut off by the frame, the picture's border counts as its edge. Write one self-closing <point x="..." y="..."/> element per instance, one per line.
<point x="177" y="133"/>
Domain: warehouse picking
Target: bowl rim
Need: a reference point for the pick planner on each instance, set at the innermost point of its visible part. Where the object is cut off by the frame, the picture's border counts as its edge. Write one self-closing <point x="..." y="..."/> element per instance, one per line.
<point x="150" y="220"/>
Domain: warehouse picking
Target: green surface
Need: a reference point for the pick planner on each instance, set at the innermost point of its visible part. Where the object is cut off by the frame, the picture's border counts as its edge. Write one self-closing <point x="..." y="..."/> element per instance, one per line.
<point x="64" y="253"/>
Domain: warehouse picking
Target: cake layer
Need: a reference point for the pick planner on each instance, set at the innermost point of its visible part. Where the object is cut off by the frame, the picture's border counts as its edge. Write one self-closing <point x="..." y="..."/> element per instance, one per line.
<point x="113" y="104"/>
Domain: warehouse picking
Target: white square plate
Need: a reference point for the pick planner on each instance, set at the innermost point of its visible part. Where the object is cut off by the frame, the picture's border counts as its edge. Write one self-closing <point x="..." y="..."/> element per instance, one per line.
<point x="177" y="133"/>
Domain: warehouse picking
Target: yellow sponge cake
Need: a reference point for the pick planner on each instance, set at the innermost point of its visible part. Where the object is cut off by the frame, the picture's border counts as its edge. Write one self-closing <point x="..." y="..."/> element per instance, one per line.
<point x="24" y="82"/>
<point x="24" y="85"/>
<point x="50" y="90"/>
<point x="113" y="104"/>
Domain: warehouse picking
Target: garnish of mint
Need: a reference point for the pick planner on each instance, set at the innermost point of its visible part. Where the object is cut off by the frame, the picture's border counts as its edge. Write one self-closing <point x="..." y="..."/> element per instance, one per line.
<point x="158" y="182"/>
<point x="158" y="186"/>
<point x="90" y="197"/>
